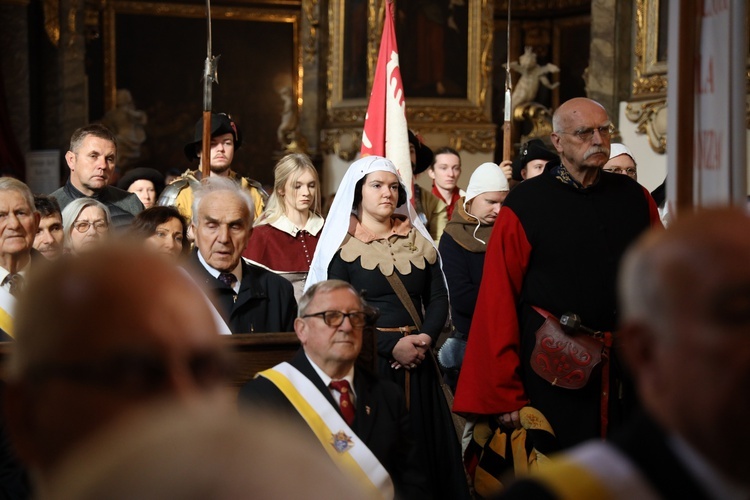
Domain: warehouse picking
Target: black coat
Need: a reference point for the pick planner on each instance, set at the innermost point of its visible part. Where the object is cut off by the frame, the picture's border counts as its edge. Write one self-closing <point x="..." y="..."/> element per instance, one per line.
<point x="381" y="421"/>
<point x="123" y="206"/>
<point x="463" y="272"/>
<point x="265" y="302"/>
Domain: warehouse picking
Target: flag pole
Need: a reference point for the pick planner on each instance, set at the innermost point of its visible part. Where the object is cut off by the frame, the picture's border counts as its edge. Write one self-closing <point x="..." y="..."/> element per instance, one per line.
<point x="210" y="75"/>
<point x="507" y="139"/>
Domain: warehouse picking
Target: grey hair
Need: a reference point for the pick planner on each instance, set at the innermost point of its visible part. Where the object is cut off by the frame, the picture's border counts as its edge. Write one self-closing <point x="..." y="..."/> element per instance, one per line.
<point x="73" y="209"/>
<point x="11" y="184"/>
<point x="639" y="282"/>
<point x="324" y="287"/>
<point x="556" y="122"/>
<point x="214" y="184"/>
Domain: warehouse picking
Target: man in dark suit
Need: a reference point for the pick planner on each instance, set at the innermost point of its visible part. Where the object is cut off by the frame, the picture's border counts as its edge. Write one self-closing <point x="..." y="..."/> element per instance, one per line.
<point x="352" y="410"/>
<point x="685" y="296"/>
<point x="250" y="298"/>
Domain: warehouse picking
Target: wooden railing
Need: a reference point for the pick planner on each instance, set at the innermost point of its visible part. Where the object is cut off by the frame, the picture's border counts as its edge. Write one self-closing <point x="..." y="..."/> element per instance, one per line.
<point x="251" y="352"/>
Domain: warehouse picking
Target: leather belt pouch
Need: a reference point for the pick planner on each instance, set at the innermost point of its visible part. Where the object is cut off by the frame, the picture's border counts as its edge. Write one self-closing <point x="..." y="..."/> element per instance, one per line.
<point x="564" y="360"/>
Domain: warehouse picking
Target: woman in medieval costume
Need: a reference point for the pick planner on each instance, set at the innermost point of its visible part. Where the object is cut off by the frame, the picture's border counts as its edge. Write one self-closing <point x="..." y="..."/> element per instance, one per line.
<point x="374" y="240"/>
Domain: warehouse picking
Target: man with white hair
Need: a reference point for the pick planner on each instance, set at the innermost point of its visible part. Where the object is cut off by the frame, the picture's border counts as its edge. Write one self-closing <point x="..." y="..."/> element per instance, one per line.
<point x="621" y="161"/>
<point x="554" y="250"/>
<point x="250" y="298"/>
<point x="361" y="420"/>
<point x="462" y="249"/>
<point x="19" y="221"/>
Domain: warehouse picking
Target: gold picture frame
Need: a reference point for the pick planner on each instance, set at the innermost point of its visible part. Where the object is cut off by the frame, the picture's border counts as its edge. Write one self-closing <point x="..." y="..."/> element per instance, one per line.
<point x="425" y="113"/>
<point x="650" y="69"/>
<point x="171" y="87"/>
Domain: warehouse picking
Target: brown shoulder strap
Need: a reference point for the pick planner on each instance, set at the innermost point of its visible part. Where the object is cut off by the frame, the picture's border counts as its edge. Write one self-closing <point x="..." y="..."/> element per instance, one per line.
<point x="403" y="295"/>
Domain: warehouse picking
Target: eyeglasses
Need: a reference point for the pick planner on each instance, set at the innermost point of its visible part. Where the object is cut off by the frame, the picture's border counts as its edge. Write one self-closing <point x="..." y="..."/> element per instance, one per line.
<point x="358" y="319"/>
<point x="586" y="134"/>
<point x="136" y="374"/>
<point x="630" y="171"/>
<point x="99" y="226"/>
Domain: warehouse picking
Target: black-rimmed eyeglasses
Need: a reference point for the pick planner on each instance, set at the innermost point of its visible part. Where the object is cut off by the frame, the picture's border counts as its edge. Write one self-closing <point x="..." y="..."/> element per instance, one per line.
<point x="334" y="319"/>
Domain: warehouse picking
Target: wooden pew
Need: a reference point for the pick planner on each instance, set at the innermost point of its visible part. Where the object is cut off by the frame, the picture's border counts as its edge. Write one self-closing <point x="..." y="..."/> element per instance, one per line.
<point x="254" y="352"/>
<point x="251" y="352"/>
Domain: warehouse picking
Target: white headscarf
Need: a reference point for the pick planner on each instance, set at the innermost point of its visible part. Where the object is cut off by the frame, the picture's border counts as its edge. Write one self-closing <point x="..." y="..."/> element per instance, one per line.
<point x="337" y="222"/>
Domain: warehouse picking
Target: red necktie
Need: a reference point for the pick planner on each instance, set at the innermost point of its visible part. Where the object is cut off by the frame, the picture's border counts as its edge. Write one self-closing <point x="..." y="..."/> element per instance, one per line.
<point x="345" y="399"/>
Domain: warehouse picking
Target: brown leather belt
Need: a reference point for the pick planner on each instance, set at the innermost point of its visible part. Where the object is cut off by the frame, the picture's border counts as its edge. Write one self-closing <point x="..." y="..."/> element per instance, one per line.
<point x="406" y="330"/>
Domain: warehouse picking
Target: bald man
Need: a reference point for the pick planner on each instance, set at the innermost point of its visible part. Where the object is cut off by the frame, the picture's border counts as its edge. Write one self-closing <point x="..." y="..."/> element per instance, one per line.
<point x="111" y="339"/>
<point x="555" y="246"/>
<point x="685" y="338"/>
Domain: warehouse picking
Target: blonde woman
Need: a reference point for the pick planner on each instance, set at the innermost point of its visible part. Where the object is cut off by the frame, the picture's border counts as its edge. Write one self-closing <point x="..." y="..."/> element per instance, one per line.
<point x="286" y="234"/>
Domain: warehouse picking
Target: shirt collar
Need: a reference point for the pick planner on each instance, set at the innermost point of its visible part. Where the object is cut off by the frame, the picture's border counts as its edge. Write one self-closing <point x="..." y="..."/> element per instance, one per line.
<point x="313" y="226"/>
<point x="75" y="193"/>
<point x="237" y="271"/>
<point x="4" y="272"/>
<point x="401" y="227"/>
<point x="349" y="377"/>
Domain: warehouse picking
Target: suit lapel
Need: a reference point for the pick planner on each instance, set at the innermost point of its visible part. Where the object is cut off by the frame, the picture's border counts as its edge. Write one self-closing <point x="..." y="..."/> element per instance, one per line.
<point x="366" y="409"/>
<point x="250" y="287"/>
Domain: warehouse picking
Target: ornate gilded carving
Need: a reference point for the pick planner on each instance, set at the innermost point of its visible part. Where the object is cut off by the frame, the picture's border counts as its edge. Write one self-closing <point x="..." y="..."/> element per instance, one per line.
<point x="51" y="10"/>
<point x="481" y="140"/>
<point x="473" y="109"/>
<point x="343" y="142"/>
<point x="312" y="15"/>
<point x="650" y="119"/>
<point x="114" y="7"/>
<point x="542" y="6"/>
<point x="650" y="74"/>
<point x="540" y="118"/>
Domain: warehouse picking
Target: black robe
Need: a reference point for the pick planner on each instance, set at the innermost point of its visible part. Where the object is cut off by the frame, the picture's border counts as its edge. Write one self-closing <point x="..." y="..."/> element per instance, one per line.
<point x="557" y="247"/>
<point x="431" y="420"/>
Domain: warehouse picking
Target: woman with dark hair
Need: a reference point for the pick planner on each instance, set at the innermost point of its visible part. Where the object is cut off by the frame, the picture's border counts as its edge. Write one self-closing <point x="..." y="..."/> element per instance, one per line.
<point x="374" y="240"/>
<point x="162" y="229"/>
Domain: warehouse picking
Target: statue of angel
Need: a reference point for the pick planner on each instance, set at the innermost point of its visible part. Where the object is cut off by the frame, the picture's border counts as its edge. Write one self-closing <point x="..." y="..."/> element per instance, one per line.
<point x="531" y="75"/>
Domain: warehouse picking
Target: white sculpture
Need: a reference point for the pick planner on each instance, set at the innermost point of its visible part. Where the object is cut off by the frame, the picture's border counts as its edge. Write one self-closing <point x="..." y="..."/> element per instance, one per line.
<point x="531" y="75"/>
<point x="128" y="125"/>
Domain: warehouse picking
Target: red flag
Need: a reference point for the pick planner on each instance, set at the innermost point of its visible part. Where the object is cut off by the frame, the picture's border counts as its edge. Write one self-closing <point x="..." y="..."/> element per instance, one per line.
<point x="385" y="131"/>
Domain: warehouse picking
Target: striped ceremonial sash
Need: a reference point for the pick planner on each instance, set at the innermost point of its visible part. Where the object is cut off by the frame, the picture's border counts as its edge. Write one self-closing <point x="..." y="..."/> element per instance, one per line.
<point x="7" y="306"/>
<point x="344" y="447"/>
